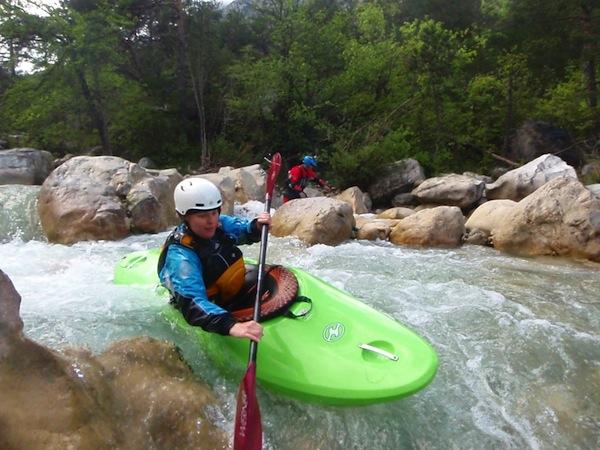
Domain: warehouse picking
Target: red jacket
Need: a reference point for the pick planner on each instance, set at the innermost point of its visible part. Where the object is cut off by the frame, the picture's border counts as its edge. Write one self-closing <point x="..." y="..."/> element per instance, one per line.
<point x="299" y="176"/>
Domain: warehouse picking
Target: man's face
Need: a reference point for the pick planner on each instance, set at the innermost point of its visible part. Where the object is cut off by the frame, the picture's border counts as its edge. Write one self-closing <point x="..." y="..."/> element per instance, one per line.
<point x="203" y="223"/>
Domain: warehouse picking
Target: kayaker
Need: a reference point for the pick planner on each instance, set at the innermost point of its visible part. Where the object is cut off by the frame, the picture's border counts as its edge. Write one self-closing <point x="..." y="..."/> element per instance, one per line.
<point x="200" y="263"/>
<point x="299" y="176"/>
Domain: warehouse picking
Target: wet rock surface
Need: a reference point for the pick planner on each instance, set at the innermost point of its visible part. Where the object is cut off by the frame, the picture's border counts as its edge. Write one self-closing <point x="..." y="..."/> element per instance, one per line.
<point x="105" y="197"/>
<point x="138" y="394"/>
<point x="561" y="219"/>
<point x="316" y="220"/>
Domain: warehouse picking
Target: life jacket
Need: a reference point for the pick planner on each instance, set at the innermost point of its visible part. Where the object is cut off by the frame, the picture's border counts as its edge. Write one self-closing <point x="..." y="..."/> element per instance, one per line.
<point x="299" y="177"/>
<point x="223" y="269"/>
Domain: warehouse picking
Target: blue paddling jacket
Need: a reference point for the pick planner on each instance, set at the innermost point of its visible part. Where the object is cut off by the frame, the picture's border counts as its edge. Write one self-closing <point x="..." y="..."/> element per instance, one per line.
<point x="190" y="267"/>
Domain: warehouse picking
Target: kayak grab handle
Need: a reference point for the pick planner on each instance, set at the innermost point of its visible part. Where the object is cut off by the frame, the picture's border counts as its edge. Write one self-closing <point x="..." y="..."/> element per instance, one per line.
<point x="379" y="351"/>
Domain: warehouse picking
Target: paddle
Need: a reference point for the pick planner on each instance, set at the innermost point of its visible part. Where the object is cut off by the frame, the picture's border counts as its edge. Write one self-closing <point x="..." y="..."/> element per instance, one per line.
<point x="248" y="426"/>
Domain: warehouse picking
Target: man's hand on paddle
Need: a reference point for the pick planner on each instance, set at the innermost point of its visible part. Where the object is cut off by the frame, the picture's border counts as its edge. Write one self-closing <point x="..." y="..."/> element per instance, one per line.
<point x="264" y="218"/>
<point x="251" y="330"/>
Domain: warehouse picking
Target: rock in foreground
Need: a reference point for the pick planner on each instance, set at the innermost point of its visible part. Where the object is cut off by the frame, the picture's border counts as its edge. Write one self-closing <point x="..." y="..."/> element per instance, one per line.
<point x="138" y="394"/>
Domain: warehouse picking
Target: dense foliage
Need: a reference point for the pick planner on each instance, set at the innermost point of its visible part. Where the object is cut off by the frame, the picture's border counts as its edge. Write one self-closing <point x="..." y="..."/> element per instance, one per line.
<point x="359" y="83"/>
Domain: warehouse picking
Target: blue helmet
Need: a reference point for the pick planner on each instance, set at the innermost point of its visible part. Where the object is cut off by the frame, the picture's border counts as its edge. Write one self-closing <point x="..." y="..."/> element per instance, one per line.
<point x="309" y="161"/>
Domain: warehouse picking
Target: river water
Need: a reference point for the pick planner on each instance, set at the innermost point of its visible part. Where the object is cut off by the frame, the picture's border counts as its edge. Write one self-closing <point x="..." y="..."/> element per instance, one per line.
<point x="518" y="339"/>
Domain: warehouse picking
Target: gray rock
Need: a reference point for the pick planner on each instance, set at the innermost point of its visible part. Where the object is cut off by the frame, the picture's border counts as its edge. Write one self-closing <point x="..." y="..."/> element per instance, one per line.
<point x="147" y="163"/>
<point x="519" y="183"/>
<point x="105" y="197"/>
<point x="594" y="189"/>
<point x="11" y="324"/>
<point x="484" y="178"/>
<point x="405" y="199"/>
<point x="249" y="182"/>
<point x="476" y="237"/>
<point x="398" y="212"/>
<point x="400" y="177"/>
<point x="377" y="229"/>
<point x="536" y="138"/>
<point x="590" y="173"/>
<point x="356" y="198"/>
<point x="74" y="399"/>
<point x="443" y="226"/>
<point x="316" y="220"/>
<point x="24" y="166"/>
<point x="450" y="190"/>
<point x="560" y="218"/>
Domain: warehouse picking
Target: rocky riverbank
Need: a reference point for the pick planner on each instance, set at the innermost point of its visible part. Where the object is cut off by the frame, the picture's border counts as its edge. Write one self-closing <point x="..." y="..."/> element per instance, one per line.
<point x="540" y="208"/>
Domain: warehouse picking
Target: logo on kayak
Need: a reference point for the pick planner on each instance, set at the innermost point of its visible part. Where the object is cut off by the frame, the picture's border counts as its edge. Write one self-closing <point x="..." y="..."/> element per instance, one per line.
<point x="333" y="332"/>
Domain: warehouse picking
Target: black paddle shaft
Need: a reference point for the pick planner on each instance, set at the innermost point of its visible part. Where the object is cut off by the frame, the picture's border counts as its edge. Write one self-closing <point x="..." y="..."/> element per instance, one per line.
<point x="262" y="256"/>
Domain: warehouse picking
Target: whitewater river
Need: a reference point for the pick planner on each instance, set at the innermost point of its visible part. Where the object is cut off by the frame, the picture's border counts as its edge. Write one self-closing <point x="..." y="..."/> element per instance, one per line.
<point x="518" y="339"/>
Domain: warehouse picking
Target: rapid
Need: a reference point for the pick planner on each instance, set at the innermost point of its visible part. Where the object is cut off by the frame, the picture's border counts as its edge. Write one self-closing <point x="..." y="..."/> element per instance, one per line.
<point x="518" y="339"/>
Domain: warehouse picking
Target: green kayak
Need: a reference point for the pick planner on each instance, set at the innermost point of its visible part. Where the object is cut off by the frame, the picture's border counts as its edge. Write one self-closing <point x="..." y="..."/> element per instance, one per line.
<point x="332" y="349"/>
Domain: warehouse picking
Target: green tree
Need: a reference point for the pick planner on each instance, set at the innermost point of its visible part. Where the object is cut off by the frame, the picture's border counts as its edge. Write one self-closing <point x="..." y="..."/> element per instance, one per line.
<point x="573" y="42"/>
<point x="437" y="69"/>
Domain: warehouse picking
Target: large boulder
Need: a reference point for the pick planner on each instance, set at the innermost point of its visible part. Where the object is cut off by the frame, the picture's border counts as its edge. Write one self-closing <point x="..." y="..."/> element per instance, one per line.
<point x="249" y="182"/>
<point x="360" y="202"/>
<point x="489" y="214"/>
<point x="105" y="197"/>
<point x="396" y="213"/>
<point x="362" y="219"/>
<point x="519" y="183"/>
<point x="536" y="138"/>
<point x="481" y="222"/>
<point x="138" y="394"/>
<point x="442" y="226"/>
<point x="226" y="185"/>
<point x="11" y="325"/>
<point x="451" y="190"/>
<point x="375" y="229"/>
<point x="400" y="177"/>
<point x="24" y="166"/>
<point x="560" y="218"/>
<point x="316" y="220"/>
<point x="163" y="403"/>
<point x="477" y="176"/>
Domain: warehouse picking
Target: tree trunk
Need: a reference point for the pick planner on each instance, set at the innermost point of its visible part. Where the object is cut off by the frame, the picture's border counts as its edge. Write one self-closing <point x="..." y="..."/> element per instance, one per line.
<point x="205" y="157"/>
<point x="196" y="89"/>
<point x="510" y="117"/>
<point x="589" y="62"/>
<point x="589" y="67"/>
<point x="13" y="59"/>
<point x="96" y="113"/>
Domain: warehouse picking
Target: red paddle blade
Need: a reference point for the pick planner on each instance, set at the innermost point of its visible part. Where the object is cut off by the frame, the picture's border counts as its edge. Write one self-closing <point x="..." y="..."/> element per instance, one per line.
<point x="248" y="427"/>
<point x="273" y="172"/>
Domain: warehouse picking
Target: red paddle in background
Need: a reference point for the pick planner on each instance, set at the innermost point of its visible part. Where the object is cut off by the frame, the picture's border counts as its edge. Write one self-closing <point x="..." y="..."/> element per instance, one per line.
<point x="248" y="426"/>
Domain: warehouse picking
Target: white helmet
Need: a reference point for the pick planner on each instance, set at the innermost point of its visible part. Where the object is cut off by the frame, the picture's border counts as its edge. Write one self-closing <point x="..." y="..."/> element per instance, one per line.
<point x="196" y="194"/>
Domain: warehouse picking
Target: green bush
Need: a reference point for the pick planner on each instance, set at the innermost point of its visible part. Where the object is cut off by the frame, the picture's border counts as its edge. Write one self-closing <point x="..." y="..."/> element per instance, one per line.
<point x="359" y="167"/>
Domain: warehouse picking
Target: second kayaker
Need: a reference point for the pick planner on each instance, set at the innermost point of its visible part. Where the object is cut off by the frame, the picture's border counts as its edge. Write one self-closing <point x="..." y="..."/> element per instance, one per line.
<point x="299" y="176"/>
